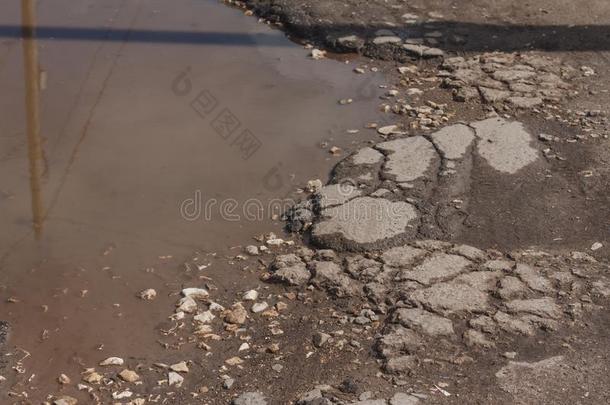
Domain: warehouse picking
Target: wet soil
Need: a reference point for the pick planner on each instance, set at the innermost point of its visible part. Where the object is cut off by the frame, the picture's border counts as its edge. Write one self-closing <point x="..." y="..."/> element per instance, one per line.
<point x="131" y="155"/>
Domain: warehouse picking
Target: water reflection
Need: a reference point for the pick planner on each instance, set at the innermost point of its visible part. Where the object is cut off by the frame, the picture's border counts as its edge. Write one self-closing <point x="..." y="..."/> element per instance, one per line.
<point x="32" y="106"/>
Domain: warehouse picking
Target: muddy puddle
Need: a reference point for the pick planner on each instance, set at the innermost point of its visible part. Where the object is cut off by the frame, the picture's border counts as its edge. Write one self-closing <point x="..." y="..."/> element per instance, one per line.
<point x="125" y="127"/>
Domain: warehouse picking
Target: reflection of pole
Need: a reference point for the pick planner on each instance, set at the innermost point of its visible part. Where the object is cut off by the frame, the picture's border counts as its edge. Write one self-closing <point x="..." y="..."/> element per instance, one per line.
<point x="32" y="97"/>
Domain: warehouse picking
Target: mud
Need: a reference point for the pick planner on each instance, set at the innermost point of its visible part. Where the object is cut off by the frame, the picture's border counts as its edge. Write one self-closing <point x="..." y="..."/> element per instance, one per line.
<point x="129" y="157"/>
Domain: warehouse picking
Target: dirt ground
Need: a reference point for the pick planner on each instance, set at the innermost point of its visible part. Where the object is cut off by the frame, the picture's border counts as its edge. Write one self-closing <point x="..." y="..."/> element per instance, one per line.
<point x="329" y="328"/>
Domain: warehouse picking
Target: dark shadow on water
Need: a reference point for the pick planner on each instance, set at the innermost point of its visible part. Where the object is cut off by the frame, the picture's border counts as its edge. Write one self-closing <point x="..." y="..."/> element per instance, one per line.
<point x="455" y="36"/>
<point x="146" y="36"/>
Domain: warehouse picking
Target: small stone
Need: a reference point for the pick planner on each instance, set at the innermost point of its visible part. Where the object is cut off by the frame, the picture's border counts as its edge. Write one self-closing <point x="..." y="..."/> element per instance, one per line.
<point x="63" y="379"/>
<point x="317" y="54"/>
<point x="289" y="269"/>
<point x="509" y="355"/>
<point x="403" y="70"/>
<point x="112" y="361"/>
<point x="251" y="295"/>
<point x="174" y="379"/>
<point x="204" y="317"/>
<point x="196" y="293"/>
<point x="213" y="306"/>
<point x="313" y="185"/>
<point x="122" y="394"/>
<point x="464" y="94"/>
<point x="335" y="150"/>
<point x="273" y="348"/>
<point x="187" y="305"/>
<point x="277" y="367"/>
<point x="276" y="242"/>
<point x="180" y="367"/>
<point x="596" y="246"/>
<point x="148" y="294"/>
<point x="320" y="338"/>
<point x="388" y="130"/>
<point x="129" y="375"/>
<point x="93" y="377"/>
<point x="259" y="307"/>
<point x="252" y="250"/>
<point x="234" y="361"/>
<point x="236" y="315"/>
<point x="228" y="383"/>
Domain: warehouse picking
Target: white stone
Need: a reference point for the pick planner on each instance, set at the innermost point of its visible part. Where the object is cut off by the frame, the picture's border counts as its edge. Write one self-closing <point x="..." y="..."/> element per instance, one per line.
<point x="196" y="293"/>
<point x="187" y="304"/>
<point x="174" y="378"/>
<point x="180" y="367"/>
<point x="251" y="295"/>
<point x="204" y="317"/>
<point x="148" y="294"/>
<point x="259" y="307"/>
<point x="112" y="361"/>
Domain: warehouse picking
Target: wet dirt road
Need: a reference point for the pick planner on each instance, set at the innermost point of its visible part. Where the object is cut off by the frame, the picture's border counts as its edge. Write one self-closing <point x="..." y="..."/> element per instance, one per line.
<point x="143" y="107"/>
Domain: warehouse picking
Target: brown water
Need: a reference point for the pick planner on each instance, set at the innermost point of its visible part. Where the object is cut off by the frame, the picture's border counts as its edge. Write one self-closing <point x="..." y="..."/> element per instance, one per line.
<point x="98" y="155"/>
